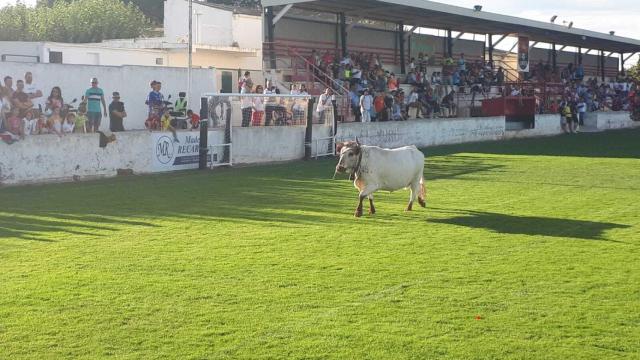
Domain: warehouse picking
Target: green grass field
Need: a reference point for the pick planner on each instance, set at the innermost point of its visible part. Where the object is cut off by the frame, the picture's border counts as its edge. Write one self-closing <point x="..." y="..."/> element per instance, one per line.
<point x="528" y="249"/>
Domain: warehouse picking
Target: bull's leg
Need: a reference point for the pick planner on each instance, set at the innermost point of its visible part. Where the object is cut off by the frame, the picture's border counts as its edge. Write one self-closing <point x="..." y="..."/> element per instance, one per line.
<point x="415" y="190"/>
<point x="372" y="209"/>
<point x="422" y="195"/>
<point x="358" y="212"/>
<point x="364" y="193"/>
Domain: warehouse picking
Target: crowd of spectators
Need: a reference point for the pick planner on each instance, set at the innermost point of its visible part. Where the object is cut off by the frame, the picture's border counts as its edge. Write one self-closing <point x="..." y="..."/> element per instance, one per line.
<point x="271" y="109"/>
<point x="26" y="111"/>
<point x="375" y="94"/>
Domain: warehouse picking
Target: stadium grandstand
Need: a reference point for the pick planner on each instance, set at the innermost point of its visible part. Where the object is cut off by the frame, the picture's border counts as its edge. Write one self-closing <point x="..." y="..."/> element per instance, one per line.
<point x="448" y="54"/>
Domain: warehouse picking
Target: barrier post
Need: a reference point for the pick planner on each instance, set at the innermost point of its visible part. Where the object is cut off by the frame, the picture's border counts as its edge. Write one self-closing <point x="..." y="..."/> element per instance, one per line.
<point x="308" y="136"/>
<point x="204" y="133"/>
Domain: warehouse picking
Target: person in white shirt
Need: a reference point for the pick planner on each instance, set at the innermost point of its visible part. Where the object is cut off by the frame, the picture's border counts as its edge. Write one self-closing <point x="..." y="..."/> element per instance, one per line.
<point x="246" y="104"/>
<point x="294" y="90"/>
<point x="366" y="101"/>
<point x="29" y="124"/>
<point x="69" y="124"/>
<point x="324" y="104"/>
<point x="258" y="108"/>
<point x="35" y="94"/>
<point x="582" y="109"/>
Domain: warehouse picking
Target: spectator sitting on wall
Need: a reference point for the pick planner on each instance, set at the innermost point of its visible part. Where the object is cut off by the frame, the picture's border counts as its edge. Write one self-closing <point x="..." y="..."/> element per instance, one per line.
<point x="117" y="113"/>
<point x="30" y="124"/>
<point x="194" y="119"/>
<point x="69" y="124"/>
<point x="54" y="124"/>
<point x="20" y="99"/>
<point x="81" y="119"/>
<point x="54" y="101"/>
<point x="5" y="105"/>
<point x="14" y="123"/>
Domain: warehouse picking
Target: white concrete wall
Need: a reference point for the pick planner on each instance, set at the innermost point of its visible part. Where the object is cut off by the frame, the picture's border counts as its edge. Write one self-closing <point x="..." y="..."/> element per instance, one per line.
<point x="545" y="125"/>
<point x="607" y="120"/>
<point x="247" y="31"/>
<point x="131" y="81"/>
<point x="424" y="132"/>
<point x="47" y="158"/>
<point x="211" y="26"/>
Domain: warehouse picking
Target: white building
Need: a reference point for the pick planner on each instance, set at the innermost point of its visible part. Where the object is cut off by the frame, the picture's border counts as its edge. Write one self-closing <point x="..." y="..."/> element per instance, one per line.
<point x="224" y="38"/>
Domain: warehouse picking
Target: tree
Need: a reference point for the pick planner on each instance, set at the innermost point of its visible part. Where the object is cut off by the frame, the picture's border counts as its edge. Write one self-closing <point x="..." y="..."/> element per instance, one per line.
<point x="634" y="73"/>
<point x="242" y="3"/>
<point x="78" y="21"/>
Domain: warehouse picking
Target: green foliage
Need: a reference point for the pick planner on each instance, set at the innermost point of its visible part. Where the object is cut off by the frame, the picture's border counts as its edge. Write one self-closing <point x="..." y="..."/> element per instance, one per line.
<point x="634" y="73"/>
<point x="78" y="21"/>
<point x="244" y="3"/>
<point x="528" y="249"/>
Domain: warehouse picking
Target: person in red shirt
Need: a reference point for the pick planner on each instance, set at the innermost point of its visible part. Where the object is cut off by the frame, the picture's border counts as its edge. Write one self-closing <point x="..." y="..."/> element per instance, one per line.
<point x="194" y="119"/>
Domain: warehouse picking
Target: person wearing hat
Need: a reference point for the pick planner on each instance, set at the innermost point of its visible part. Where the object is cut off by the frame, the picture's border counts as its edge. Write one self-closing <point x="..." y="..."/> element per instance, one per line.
<point x="180" y="106"/>
<point x="93" y="97"/>
<point x="116" y="113"/>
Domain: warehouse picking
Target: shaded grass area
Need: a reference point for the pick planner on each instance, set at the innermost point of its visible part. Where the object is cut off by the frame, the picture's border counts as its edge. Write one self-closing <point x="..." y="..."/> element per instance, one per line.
<point x="528" y="249"/>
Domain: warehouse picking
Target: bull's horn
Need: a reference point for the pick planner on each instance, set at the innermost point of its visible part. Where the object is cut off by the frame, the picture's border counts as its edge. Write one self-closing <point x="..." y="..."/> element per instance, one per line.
<point x="357" y="141"/>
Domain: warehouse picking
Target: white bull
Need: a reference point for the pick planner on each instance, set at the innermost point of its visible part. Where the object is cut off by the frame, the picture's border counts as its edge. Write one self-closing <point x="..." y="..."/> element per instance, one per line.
<point x="372" y="168"/>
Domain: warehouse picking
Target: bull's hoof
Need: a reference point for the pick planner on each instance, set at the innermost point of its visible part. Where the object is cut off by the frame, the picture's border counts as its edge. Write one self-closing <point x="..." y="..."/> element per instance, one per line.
<point x="409" y="207"/>
<point x="372" y="211"/>
<point x="422" y="202"/>
<point x="358" y="213"/>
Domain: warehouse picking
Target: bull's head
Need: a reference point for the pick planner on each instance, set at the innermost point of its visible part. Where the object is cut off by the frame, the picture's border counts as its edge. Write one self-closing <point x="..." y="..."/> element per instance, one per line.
<point x="349" y="155"/>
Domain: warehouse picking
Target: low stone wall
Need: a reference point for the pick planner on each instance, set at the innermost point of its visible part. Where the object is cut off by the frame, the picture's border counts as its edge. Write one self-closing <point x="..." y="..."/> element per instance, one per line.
<point x="50" y="158"/>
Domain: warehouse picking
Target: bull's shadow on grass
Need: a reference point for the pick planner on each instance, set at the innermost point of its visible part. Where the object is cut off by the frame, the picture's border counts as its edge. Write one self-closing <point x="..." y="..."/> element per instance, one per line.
<point x="451" y="167"/>
<point x="609" y="144"/>
<point x="529" y="225"/>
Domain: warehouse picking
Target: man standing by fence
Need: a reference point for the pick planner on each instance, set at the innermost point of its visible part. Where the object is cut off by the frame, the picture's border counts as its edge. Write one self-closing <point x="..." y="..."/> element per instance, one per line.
<point x="94" y="96"/>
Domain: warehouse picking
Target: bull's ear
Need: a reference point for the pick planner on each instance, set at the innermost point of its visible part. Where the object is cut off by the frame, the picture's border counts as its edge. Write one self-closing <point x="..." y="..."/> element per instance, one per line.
<point x="339" y="147"/>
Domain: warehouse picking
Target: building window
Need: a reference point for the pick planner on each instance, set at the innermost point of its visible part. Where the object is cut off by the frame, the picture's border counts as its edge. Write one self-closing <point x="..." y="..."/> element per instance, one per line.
<point x="159" y="61"/>
<point x="55" y="57"/>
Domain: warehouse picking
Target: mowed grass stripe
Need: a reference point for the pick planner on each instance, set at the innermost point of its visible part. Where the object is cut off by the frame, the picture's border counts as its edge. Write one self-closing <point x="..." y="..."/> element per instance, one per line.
<point x="528" y="249"/>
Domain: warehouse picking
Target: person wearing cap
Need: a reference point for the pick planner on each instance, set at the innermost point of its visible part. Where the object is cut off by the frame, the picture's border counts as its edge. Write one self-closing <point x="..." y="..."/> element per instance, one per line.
<point x="181" y="104"/>
<point x="94" y="96"/>
<point x="116" y="113"/>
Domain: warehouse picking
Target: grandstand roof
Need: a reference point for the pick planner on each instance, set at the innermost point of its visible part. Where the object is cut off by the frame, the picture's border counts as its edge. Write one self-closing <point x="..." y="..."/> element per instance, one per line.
<point x="431" y="14"/>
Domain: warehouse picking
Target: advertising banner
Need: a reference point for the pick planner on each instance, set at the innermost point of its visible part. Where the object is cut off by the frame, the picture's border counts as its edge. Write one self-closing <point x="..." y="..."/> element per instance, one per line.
<point x="171" y="154"/>
<point x="523" y="54"/>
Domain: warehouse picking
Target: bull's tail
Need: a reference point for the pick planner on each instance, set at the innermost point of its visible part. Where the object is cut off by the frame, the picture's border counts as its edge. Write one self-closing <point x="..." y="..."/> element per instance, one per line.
<point x="423" y="193"/>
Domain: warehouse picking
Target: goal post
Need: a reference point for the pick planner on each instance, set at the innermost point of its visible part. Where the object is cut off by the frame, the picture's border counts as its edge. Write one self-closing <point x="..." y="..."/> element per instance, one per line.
<point x="228" y="112"/>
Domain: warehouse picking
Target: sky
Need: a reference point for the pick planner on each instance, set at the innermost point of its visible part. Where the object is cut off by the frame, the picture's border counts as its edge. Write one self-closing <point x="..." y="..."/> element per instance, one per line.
<point x="597" y="15"/>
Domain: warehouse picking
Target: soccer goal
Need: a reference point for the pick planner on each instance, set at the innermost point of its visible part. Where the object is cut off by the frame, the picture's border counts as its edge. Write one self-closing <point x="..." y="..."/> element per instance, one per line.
<point x="231" y="115"/>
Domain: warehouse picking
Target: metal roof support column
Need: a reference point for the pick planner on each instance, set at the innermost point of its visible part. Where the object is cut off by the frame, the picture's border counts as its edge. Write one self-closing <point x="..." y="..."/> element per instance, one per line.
<point x="491" y="48"/>
<point x="401" y="38"/>
<point x="449" y="44"/>
<point x="268" y="15"/>
<point x="622" y="63"/>
<point x="554" y="56"/>
<point x="579" y="55"/>
<point x="602" y="64"/>
<point x="343" y="33"/>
